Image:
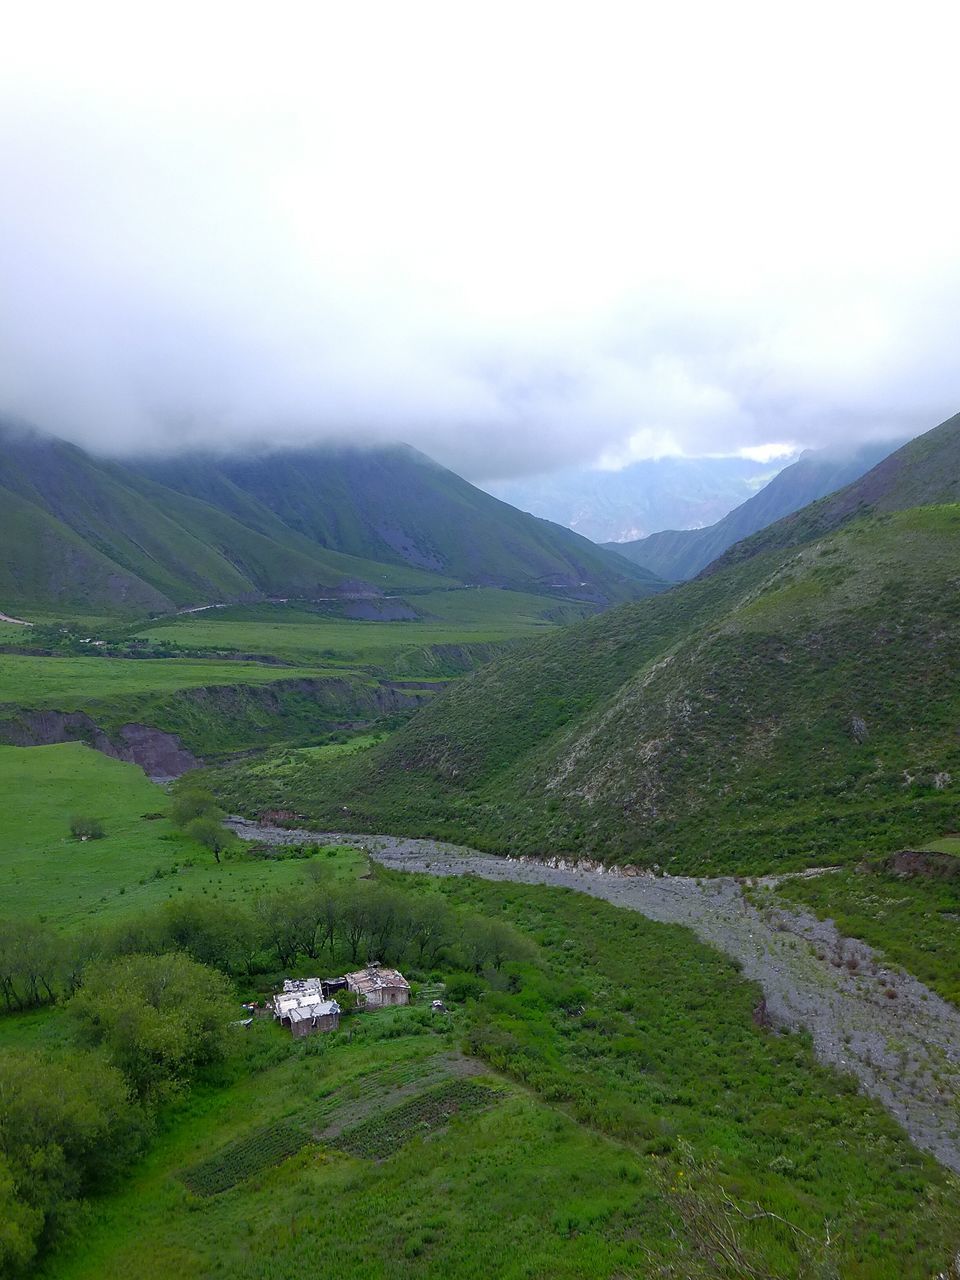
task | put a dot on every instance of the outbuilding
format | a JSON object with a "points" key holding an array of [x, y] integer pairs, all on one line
{"points": [[376, 987], [302, 1007]]}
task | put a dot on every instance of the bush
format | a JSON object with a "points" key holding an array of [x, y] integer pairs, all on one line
{"points": [[86, 828], [159, 1018], [66, 1128]]}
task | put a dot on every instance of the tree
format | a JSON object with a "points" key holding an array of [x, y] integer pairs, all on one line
{"points": [[194, 802], [209, 832], [32, 963], [67, 1125], [213, 932], [432, 928], [84, 828], [489, 943], [159, 1018]]}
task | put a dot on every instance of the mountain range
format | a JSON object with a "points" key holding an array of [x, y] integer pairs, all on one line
{"points": [[92, 534], [798, 702], [641, 498], [678, 554]]}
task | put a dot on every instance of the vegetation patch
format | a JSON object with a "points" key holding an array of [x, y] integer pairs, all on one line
{"points": [[914, 921], [797, 709], [382, 1135], [262, 1149]]}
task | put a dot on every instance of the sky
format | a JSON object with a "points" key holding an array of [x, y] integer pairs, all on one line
{"points": [[518, 236]]}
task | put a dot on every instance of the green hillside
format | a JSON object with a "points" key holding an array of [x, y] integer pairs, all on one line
{"points": [[397, 506], [791, 709], [85, 533], [925, 472], [679, 554]]}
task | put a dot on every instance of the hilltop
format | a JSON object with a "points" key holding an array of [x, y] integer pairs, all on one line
{"points": [[92, 534], [796, 705]]}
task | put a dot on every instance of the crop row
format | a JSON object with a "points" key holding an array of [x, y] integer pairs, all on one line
{"points": [[261, 1149], [381, 1135]]}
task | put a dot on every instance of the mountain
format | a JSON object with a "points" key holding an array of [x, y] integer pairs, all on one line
{"points": [[396, 506], [91, 534], [656, 493], [678, 554], [923, 472], [798, 705]]}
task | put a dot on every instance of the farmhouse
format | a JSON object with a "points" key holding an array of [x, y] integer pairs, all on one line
{"points": [[377, 987], [302, 1007]]}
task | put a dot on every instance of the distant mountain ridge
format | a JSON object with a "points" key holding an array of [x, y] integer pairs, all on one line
{"points": [[678, 554], [923, 472], [93, 534], [639, 499]]}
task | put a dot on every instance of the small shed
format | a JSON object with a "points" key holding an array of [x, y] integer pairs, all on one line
{"points": [[302, 1008], [377, 987]]}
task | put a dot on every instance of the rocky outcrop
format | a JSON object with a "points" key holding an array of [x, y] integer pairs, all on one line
{"points": [[921, 862], [159, 754]]}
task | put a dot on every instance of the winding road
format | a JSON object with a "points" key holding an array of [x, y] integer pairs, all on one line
{"points": [[900, 1040]]}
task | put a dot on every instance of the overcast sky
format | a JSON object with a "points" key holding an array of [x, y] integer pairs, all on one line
{"points": [[515, 235]]}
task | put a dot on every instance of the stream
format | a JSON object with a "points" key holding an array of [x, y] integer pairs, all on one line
{"points": [[900, 1040]]}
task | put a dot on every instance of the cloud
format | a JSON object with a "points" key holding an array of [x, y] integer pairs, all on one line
{"points": [[517, 237]]}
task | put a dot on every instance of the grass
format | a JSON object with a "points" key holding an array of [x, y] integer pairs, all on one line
{"points": [[634, 1100], [141, 861], [914, 923], [218, 704], [449, 620], [71, 684]]}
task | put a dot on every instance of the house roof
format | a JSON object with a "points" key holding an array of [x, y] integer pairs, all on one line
{"points": [[303, 985], [375, 978], [300, 1006]]}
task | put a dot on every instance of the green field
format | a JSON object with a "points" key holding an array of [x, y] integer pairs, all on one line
{"points": [[141, 861], [448, 619], [638, 1114], [70, 683]]}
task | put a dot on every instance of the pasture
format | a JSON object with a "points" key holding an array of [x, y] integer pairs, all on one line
{"points": [[141, 861]]}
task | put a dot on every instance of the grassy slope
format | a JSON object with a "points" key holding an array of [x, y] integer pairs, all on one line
{"points": [[140, 861], [715, 727], [118, 538], [581, 1171], [46, 564], [140, 545]]}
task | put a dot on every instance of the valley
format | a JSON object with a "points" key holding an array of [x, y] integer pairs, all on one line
{"points": [[679, 1007]]}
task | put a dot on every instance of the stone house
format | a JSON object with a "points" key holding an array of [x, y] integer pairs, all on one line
{"points": [[377, 987]]}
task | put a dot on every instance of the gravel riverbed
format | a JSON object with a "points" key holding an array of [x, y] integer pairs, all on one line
{"points": [[900, 1040]]}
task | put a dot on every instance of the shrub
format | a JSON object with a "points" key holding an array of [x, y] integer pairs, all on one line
{"points": [[82, 828]]}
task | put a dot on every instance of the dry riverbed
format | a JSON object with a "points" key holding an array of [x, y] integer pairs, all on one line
{"points": [[901, 1040]]}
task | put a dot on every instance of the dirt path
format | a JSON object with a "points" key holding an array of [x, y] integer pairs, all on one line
{"points": [[17, 622], [901, 1040]]}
